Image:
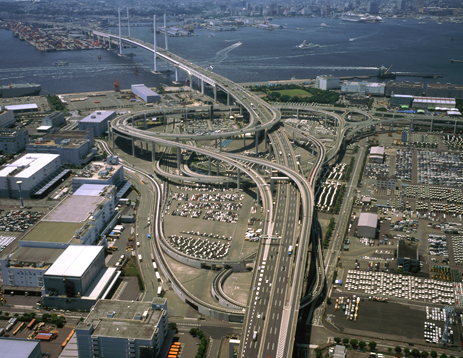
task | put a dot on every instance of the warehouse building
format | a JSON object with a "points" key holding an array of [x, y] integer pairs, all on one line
{"points": [[6, 118], [33, 170], [19, 348], [120, 329], [408, 88], [407, 258], [13, 141], [325, 82], [444, 90], [78, 278], [367, 225], [77, 220], [23, 270], [22, 108], [363, 88], [433, 102], [98, 121], [99, 173], [401, 100], [377, 155], [145, 93]]}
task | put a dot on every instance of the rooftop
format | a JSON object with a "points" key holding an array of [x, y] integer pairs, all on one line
{"points": [[145, 90], [96, 170], [97, 117], [17, 347], [405, 84], [74, 209], [4, 132], [377, 150], [113, 318], [68, 134], [74, 261], [368, 219], [445, 86], [34, 254], [435, 100], [28, 165], [92, 190], [49, 231], [21, 107]]}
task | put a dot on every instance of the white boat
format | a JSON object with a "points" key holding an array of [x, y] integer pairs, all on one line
{"points": [[305, 46], [353, 17]]}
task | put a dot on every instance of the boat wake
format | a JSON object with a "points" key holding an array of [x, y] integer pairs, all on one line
{"points": [[223, 54]]}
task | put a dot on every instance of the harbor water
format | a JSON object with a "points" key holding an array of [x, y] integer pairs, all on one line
{"points": [[251, 54]]}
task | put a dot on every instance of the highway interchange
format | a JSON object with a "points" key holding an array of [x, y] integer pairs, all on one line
{"points": [[276, 292]]}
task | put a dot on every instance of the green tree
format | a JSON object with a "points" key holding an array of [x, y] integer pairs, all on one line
{"points": [[398, 349], [407, 351], [415, 352], [372, 345], [451, 356], [354, 342], [443, 355], [389, 349], [345, 341], [362, 344], [337, 339], [173, 326], [433, 354], [425, 354]]}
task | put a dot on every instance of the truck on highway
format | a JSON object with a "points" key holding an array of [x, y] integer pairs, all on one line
{"points": [[254, 336], [290, 250], [149, 236], [140, 258]]}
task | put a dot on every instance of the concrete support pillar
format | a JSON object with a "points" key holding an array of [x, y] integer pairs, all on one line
{"points": [[179, 157], [270, 150], [165, 32], [455, 128], [141, 148], [432, 122], [153, 152], [215, 92], [191, 81], [244, 140], [238, 179], [176, 74], [145, 122], [241, 109], [266, 139], [186, 114], [228, 99], [220, 141], [154, 44], [258, 196], [120, 37], [218, 167], [210, 171], [202, 86], [297, 113], [215, 143], [133, 147], [165, 117], [257, 142], [131, 121], [112, 137]]}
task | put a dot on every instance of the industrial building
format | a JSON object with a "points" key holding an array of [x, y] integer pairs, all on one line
{"points": [[6, 118], [13, 141], [145, 93], [377, 155], [98, 121], [401, 100], [120, 329], [33, 170], [23, 270], [367, 225], [19, 348], [408, 88], [407, 257], [78, 278], [99, 173], [74, 147], [433, 102], [54, 119], [78, 219], [386, 182], [363, 88], [325, 82], [444, 90]]}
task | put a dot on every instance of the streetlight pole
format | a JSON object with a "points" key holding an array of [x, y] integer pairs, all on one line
{"points": [[19, 182]]}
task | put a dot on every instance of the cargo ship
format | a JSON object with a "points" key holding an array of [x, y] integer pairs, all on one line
{"points": [[352, 17], [457, 61], [19, 90], [305, 46]]}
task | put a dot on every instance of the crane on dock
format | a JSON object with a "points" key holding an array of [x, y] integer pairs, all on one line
{"points": [[116, 85]]}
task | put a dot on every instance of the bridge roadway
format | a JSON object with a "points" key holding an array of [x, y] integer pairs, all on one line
{"points": [[276, 334]]}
